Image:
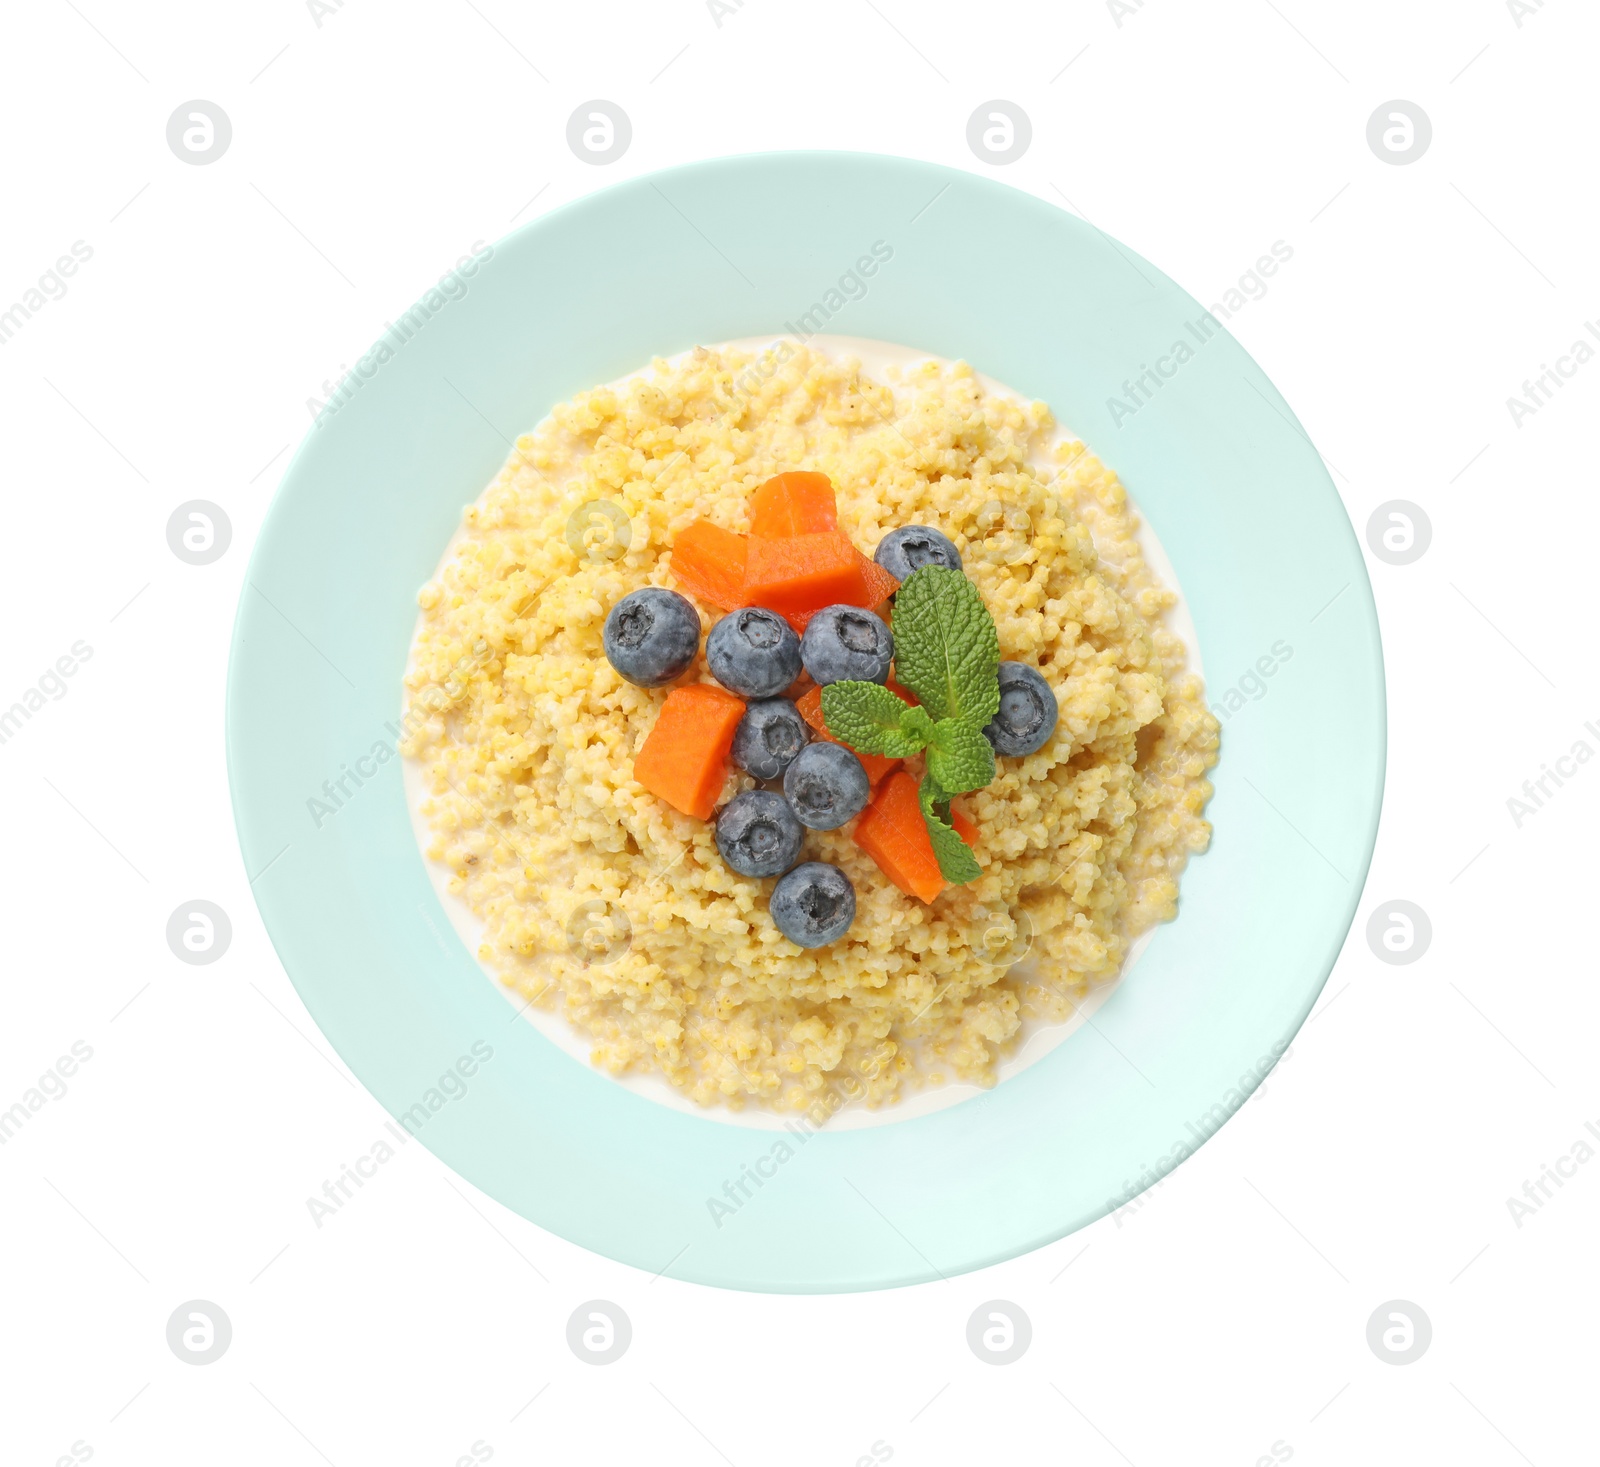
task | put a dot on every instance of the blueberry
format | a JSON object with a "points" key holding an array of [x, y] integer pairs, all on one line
{"points": [[845, 642], [913, 546], [754, 653], [1027, 715], [814, 904], [769, 735], [825, 785], [651, 636], [758, 834]]}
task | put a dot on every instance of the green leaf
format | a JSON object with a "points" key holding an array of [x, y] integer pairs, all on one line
{"points": [[872, 720], [959, 757], [946, 649], [957, 864], [916, 725]]}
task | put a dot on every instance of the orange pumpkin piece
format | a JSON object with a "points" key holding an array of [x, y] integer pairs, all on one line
{"points": [[880, 584], [892, 831], [810, 705], [709, 562], [684, 760], [794, 504], [792, 573], [876, 765]]}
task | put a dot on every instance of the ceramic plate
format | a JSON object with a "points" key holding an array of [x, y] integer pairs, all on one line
{"points": [[744, 247]]}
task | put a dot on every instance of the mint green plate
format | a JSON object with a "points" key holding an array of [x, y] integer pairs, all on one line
{"points": [[1031, 296]]}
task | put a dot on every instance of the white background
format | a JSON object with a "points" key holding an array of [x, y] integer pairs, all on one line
{"points": [[1224, 1315]]}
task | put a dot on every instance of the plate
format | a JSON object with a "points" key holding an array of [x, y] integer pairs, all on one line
{"points": [[741, 247]]}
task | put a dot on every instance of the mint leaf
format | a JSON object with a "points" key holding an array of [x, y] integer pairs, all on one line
{"points": [[916, 724], [959, 757], [872, 720], [945, 646], [956, 862]]}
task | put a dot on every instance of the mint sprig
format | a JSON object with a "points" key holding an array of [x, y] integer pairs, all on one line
{"points": [[956, 862], [946, 649], [947, 652], [873, 720], [959, 757]]}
